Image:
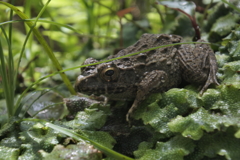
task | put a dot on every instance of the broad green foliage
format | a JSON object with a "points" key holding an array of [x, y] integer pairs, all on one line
{"points": [[39, 136], [209, 131], [172, 103], [35, 141], [43, 104], [217, 144], [217, 11], [174, 149], [225, 24], [233, 45], [88, 119], [8, 153], [81, 150], [220, 22], [28, 153], [100, 137]]}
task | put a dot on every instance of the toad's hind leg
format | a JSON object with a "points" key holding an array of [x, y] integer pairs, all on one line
{"points": [[212, 78], [154, 80], [199, 65]]}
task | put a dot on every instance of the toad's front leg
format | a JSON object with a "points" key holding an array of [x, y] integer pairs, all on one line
{"points": [[155, 80]]}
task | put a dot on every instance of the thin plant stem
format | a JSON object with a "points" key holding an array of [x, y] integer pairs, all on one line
{"points": [[232, 6], [10, 65], [5, 81], [25, 43], [44, 21]]}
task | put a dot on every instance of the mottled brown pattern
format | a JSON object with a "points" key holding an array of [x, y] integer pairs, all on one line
{"points": [[154, 71]]}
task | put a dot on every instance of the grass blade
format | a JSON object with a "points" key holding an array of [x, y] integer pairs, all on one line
{"points": [[43, 43], [7, 77], [76, 136], [231, 5]]}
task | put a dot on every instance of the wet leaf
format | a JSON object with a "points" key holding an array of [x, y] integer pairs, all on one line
{"points": [[91, 118], [78, 151], [194, 125], [225, 102], [44, 104], [222, 59], [27, 153], [217, 11], [224, 25], [172, 103], [222, 144], [210, 98], [8, 153], [39, 136], [142, 149], [230, 103], [234, 49], [175, 149], [231, 73], [100, 137], [233, 44], [184, 6]]}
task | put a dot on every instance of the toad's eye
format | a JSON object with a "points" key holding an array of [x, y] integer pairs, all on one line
{"points": [[109, 73]]}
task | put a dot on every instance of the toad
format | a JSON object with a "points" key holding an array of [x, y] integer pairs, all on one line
{"points": [[158, 70]]}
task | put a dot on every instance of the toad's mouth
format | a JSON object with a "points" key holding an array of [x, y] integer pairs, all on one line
{"points": [[98, 90], [94, 85]]}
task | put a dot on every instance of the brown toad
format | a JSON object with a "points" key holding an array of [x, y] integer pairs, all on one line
{"points": [[154, 71]]}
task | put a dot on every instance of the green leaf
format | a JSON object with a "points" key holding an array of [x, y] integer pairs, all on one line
{"points": [[44, 104], [230, 103], [39, 136], [237, 134], [9, 153], [210, 98], [12, 141], [217, 144], [224, 25], [214, 13], [187, 7], [172, 103], [142, 149], [81, 150], [233, 45], [231, 72], [232, 5], [27, 153], [194, 125], [100, 137], [79, 137], [9, 126], [91, 118], [174, 149]]}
